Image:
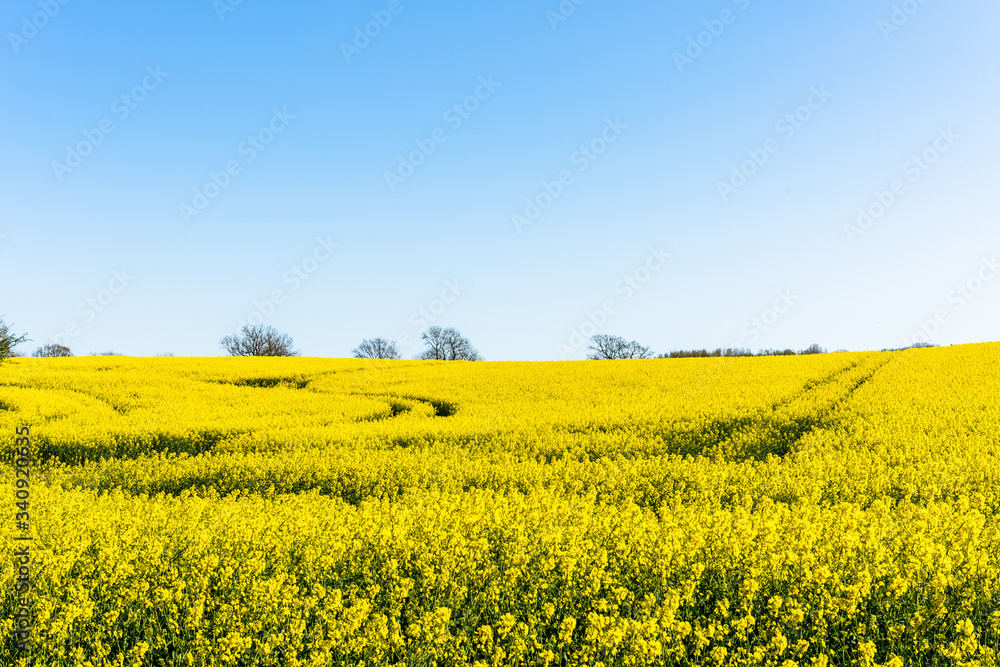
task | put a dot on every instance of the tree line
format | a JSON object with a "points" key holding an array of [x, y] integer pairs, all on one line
{"points": [[441, 344], [741, 352]]}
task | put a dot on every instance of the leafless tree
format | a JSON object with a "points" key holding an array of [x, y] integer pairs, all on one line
{"points": [[9, 340], [376, 348], [256, 340], [603, 346], [447, 345], [52, 350]]}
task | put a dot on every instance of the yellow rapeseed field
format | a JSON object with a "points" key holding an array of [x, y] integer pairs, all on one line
{"points": [[835, 509]]}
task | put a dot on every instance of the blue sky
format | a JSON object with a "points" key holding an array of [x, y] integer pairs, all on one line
{"points": [[170, 170]]}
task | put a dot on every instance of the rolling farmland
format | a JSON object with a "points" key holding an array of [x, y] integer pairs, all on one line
{"points": [[813, 510]]}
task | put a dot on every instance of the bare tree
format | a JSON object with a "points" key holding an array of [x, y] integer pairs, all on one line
{"points": [[256, 340], [52, 350], [447, 345], [603, 346], [376, 348], [9, 340], [814, 349]]}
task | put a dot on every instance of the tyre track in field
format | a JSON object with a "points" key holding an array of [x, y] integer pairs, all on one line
{"points": [[794, 417]]}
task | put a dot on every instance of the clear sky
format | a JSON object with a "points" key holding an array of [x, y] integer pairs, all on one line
{"points": [[682, 174]]}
